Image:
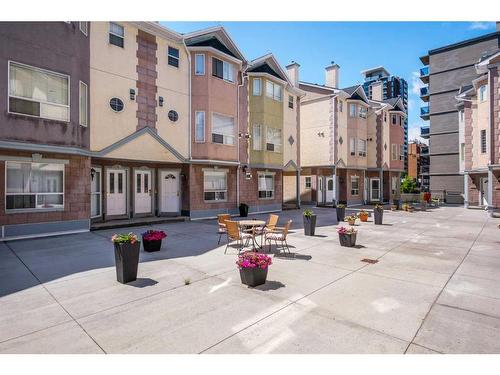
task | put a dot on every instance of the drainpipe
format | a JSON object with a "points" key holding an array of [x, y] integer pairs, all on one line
{"points": [[491, 143], [189, 95], [243, 76]]}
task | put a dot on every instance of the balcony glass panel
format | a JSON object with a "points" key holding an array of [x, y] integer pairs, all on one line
{"points": [[424, 111], [424, 91], [424, 71]]}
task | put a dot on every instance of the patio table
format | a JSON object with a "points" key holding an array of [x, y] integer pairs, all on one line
{"points": [[252, 224]]}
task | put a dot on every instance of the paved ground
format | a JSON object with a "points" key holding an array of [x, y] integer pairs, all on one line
{"points": [[435, 289]]}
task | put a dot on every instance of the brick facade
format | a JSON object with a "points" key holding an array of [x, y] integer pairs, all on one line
{"points": [[146, 80], [249, 190]]}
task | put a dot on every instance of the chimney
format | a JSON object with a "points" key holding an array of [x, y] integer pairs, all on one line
{"points": [[332, 75], [293, 73], [377, 91]]}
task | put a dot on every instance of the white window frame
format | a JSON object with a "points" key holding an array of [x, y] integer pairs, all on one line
{"points": [[119, 36], [254, 91], [92, 194], [178, 58], [394, 184], [277, 91], [362, 147], [196, 139], [45, 71], [197, 72], [401, 152], [34, 209], [341, 105], [85, 29], [355, 191], [394, 151], [483, 93], [257, 145], [363, 112], [484, 141], [266, 175], [225, 137], [290, 102], [215, 171], [277, 147], [80, 104], [352, 110], [462, 151], [352, 146], [308, 182]]}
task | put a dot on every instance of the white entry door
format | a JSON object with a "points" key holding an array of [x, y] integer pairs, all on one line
{"points": [[484, 191], [170, 191], [116, 198], [329, 190], [142, 200], [374, 189], [320, 190]]}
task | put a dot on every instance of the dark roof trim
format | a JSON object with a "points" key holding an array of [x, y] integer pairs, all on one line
{"points": [[265, 68], [214, 43], [465, 43]]}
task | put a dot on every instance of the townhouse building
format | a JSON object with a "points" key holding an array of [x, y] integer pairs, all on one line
{"points": [[44, 128], [479, 134], [418, 164], [352, 148]]}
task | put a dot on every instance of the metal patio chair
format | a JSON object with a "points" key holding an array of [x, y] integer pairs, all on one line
{"points": [[278, 235], [221, 221], [234, 233]]}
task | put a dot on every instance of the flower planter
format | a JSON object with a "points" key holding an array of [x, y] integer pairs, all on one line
{"points": [[347, 240], [340, 213], [351, 222], [378, 215], [309, 225], [126, 261], [151, 246], [363, 217], [253, 276]]}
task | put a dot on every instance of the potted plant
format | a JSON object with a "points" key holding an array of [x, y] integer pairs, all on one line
{"points": [[151, 240], [243, 209], [378, 214], [126, 256], [309, 222], [394, 207], [405, 206], [253, 268], [395, 202], [363, 215], [351, 219], [340, 208], [410, 208], [347, 236]]}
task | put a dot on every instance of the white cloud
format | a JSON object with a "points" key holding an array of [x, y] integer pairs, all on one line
{"points": [[482, 25], [414, 133], [411, 104], [416, 83]]}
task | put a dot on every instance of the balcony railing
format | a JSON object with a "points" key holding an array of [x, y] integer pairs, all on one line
{"points": [[424, 112], [424, 71], [424, 131], [424, 91]]}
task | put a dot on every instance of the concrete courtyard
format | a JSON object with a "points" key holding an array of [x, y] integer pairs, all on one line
{"points": [[435, 289]]}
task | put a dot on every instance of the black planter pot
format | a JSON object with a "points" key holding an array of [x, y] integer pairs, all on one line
{"points": [[126, 261], [378, 216], [347, 240], [309, 225], [396, 203], [151, 246], [340, 213], [243, 210], [253, 276]]}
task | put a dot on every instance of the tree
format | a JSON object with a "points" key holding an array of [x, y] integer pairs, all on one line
{"points": [[408, 185]]}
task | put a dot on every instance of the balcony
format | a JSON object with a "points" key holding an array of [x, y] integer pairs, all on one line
{"points": [[424, 151], [424, 74], [424, 93], [424, 112], [424, 169], [424, 132]]}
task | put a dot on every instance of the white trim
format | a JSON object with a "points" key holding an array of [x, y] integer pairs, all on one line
{"points": [[109, 104], [204, 126], [254, 79], [204, 64], [33, 159], [86, 103], [100, 191], [264, 174], [86, 32], [174, 57], [215, 191], [216, 52], [235, 136]]}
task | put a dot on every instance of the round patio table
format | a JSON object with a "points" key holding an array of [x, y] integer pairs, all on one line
{"points": [[252, 224]]}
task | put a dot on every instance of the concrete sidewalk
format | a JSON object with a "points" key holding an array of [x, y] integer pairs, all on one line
{"points": [[435, 289]]}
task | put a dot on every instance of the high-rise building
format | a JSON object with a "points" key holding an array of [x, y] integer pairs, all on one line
{"points": [[418, 164], [381, 85]]}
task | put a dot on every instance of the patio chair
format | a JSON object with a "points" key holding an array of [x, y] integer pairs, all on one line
{"points": [[221, 220], [272, 221], [278, 235], [235, 234]]}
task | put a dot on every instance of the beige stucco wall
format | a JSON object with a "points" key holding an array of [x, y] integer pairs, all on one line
{"points": [[386, 138], [480, 122], [356, 128], [371, 133], [290, 128], [315, 118]]}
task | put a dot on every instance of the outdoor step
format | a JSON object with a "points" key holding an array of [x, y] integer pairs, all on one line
{"points": [[138, 221]]}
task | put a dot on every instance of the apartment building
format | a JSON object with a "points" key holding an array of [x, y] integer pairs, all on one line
{"points": [[379, 84], [479, 134], [418, 164], [447, 69], [352, 148], [44, 132], [139, 138]]}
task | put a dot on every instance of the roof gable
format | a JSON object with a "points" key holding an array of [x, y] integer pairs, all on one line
{"points": [[214, 37], [265, 68], [211, 42], [273, 67]]}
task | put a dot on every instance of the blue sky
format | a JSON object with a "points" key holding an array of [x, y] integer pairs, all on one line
{"points": [[353, 45]]}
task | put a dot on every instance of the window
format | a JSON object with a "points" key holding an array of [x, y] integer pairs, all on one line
{"points": [[362, 112], [461, 116], [482, 93], [256, 91], [214, 186], [116, 104], [273, 139], [393, 119], [173, 115], [84, 27], [257, 137], [95, 192], [352, 110], [199, 64], [385, 116], [341, 106], [222, 129], [173, 57], [462, 151], [483, 141], [394, 152], [362, 147], [199, 127], [83, 104], [266, 186], [352, 146], [39, 93], [401, 152], [34, 186], [222, 69], [394, 184], [116, 34], [290, 101], [273, 91], [308, 182], [354, 185]]}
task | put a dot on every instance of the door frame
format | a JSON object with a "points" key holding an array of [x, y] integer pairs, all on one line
{"points": [[482, 192], [379, 188], [99, 169], [134, 190], [320, 195], [160, 192], [127, 192], [327, 179]]}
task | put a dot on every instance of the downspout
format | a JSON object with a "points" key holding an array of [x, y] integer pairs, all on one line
{"points": [[491, 142], [335, 176], [189, 95], [243, 76]]}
